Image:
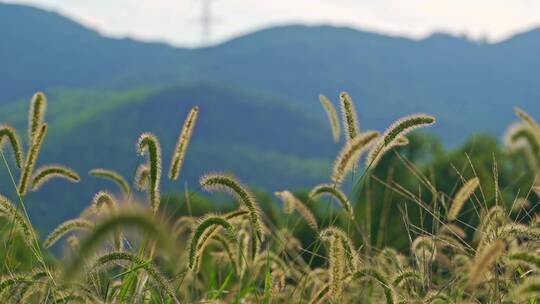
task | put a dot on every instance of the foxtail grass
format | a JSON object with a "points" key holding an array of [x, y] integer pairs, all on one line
{"points": [[131, 219], [113, 176], [483, 261], [104, 198], [31, 159], [461, 198], [67, 227], [142, 177], [350, 119], [149, 142], [204, 224], [38, 107], [46, 173], [292, 203], [182, 144], [11, 135], [334, 192], [225, 183], [332, 116], [149, 268], [12, 213], [393, 135], [350, 154]]}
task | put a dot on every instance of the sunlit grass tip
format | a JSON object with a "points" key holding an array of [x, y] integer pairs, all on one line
{"points": [[334, 192], [12, 213], [31, 159], [520, 136], [332, 116], [461, 197], [182, 144], [529, 121], [14, 141], [393, 135], [113, 176], [67, 227], [103, 198], [149, 142], [350, 119], [350, 154], [351, 254], [291, 203], [205, 223], [36, 114], [215, 182], [46, 173], [118, 221], [336, 267], [141, 180], [483, 261], [148, 266], [379, 278]]}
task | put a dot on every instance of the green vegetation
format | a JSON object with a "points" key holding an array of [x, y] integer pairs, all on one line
{"points": [[414, 225]]}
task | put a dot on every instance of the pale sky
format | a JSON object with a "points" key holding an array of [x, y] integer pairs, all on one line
{"points": [[177, 22]]}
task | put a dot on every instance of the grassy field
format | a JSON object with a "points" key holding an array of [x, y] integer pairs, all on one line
{"points": [[472, 240]]}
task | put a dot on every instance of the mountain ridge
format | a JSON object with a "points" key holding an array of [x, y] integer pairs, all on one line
{"points": [[453, 78]]}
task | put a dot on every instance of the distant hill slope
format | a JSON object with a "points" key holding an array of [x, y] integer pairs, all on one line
{"points": [[263, 140], [469, 86], [42, 50]]}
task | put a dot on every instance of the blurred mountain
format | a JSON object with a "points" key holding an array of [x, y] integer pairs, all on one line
{"points": [[470, 86], [42, 50]]}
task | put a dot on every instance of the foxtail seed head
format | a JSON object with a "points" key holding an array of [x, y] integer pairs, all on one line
{"points": [[117, 221], [351, 255], [292, 203], [10, 212], [66, 227], [350, 119], [529, 121], [38, 106], [47, 173], [31, 159], [521, 136], [149, 268], [393, 136], [483, 261], [527, 258], [336, 268], [112, 176], [182, 144], [9, 132], [461, 197], [225, 183], [149, 142], [332, 116], [379, 277], [142, 177], [526, 292], [104, 198], [350, 154], [204, 224], [336, 193]]}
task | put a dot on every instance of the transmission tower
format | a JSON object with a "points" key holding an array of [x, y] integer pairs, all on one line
{"points": [[206, 22]]}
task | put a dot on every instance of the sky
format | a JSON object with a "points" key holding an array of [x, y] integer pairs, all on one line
{"points": [[178, 22]]}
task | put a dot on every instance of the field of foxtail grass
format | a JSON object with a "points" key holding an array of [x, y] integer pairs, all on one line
{"points": [[126, 249]]}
